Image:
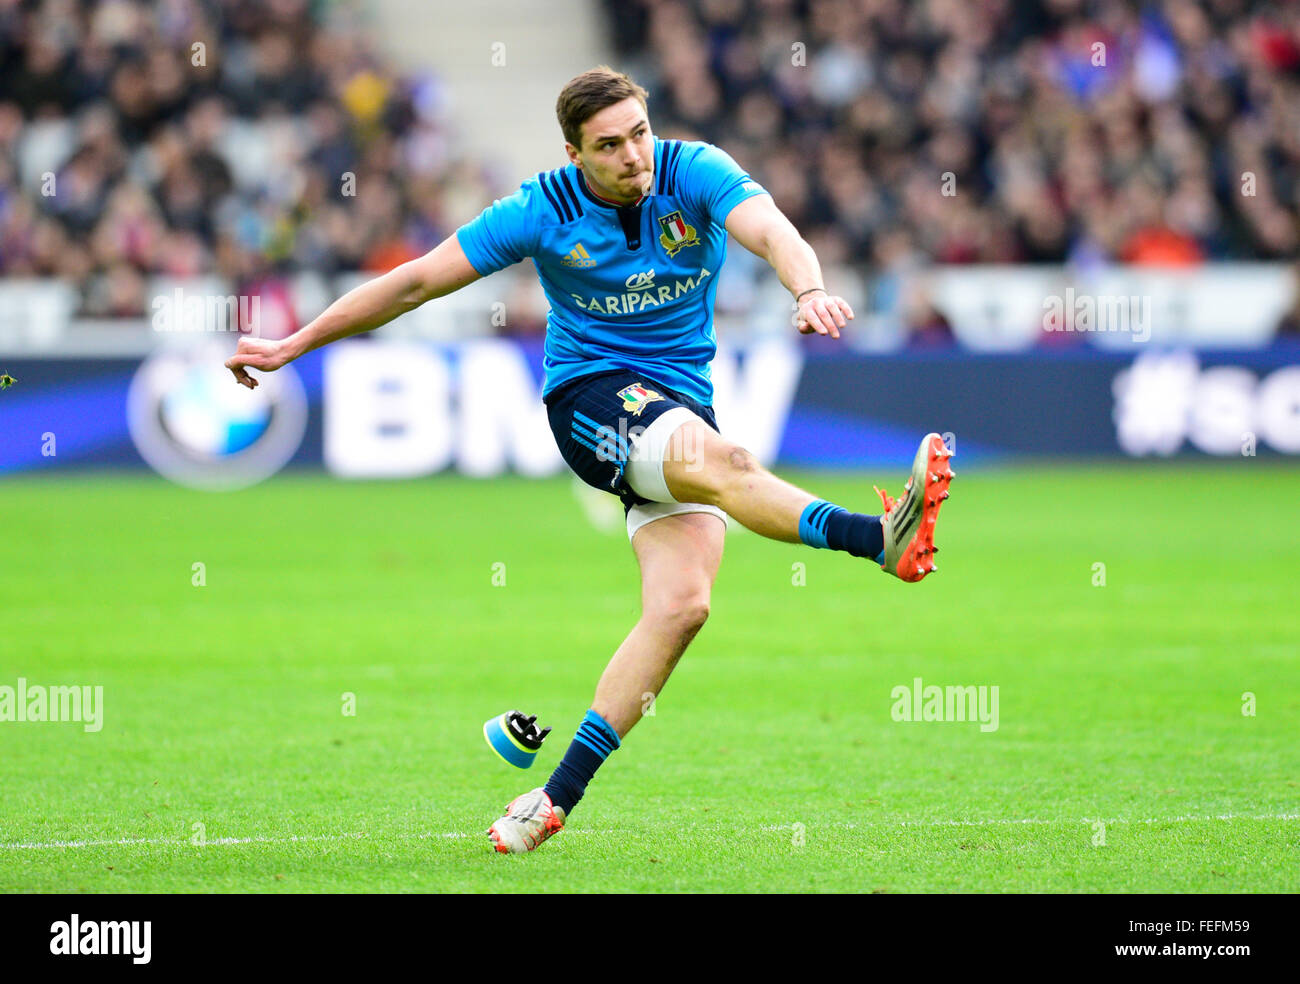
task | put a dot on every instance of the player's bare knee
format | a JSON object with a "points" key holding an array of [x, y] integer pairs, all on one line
{"points": [[740, 461], [689, 616], [700, 465], [729, 459], [694, 614], [733, 468], [683, 613]]}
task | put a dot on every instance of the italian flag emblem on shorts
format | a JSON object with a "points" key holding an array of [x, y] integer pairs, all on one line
{"points": [[636, 396], [676, 233]]}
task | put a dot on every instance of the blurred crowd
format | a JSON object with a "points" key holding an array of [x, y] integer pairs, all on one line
{"points": [[179, 137], [185, 137], [1072, 130], [904, 132]]}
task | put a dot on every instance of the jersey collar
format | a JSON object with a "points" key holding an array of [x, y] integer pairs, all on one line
{"points": [[601, 199]]}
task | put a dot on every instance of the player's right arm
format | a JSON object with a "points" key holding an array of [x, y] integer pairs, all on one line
{"points": [[444, 269]]}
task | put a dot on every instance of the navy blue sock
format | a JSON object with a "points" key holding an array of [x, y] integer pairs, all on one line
{"points": [[590, 747], [826, 525]]}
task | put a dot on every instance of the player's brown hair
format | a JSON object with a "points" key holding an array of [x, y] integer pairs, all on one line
{"points": [[585, 95]]}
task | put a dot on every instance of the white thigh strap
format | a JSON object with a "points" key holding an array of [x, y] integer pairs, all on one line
{"points": [[645, 463]]}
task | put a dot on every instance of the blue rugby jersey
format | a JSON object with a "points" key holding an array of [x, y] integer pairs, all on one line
{"points": [[630, 287]]}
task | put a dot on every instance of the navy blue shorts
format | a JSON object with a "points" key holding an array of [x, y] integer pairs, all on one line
{"points": [[594, 417]]}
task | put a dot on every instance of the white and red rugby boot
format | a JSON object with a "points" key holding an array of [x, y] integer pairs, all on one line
{"points": [[529, 820], [908, 522]]}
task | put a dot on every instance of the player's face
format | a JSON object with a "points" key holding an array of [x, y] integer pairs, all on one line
{"points": [[617, 155]]}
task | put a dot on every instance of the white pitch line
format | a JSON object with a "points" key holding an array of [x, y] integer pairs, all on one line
{"points": [[215, 841], [456, 835], [1006, 821], [180, 841]]}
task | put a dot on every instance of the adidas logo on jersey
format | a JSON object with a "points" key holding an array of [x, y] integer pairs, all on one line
{"points": [[578, 257]]}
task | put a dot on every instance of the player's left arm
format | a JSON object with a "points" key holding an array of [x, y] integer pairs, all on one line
{"points": [[762, 228]]}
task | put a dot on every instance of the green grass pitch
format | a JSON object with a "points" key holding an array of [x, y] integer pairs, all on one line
{"points": [[1123, 761]]}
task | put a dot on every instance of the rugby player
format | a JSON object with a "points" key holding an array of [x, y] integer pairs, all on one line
{"points": [[627, 239]]}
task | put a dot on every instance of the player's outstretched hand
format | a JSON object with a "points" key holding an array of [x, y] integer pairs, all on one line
{"points": [[824, 314], [259, 353]]}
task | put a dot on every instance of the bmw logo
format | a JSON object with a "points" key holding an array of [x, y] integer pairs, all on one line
{"points": [[192, 424]]}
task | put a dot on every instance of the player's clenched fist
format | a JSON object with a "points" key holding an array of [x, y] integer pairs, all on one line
{"points": [[822, 313], [260, 353]]}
